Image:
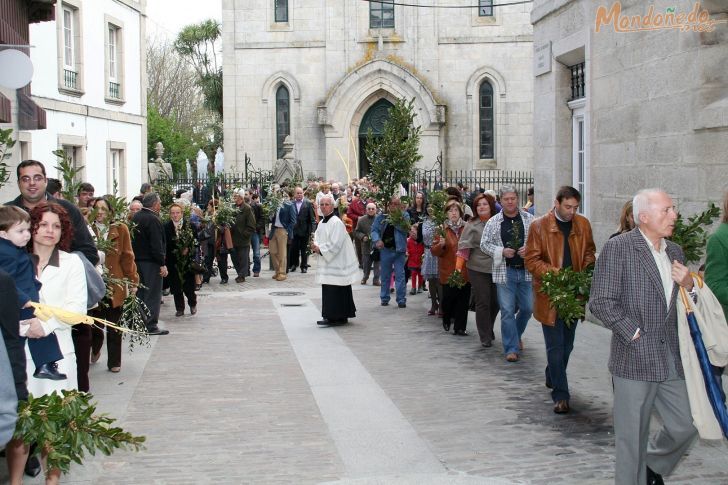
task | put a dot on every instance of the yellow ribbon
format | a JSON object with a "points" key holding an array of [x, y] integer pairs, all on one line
{"points": [[46, 312]]}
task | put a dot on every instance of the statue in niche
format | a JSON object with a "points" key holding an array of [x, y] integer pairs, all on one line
{"points": [[286, 168]]}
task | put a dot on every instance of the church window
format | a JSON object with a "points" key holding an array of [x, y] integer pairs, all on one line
{"points": [[485, 8], [281, 10], [486, 120], [381, 15], [283, 118]]}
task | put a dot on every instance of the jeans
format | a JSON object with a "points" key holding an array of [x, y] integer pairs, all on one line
{"points": [[559, 341], [516, 292], [255, 244], [390, 258]]}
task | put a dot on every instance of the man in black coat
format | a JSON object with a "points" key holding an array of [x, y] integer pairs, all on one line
{"points": [[149, 247], [301, 231], [32, 183]]}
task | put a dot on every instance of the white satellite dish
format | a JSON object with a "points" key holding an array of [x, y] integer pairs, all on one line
{"points": [[16, 69]]}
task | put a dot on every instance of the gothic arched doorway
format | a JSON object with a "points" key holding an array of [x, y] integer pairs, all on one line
{"points": [[373, 119]]}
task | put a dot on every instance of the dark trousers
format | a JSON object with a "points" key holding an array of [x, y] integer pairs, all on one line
{"points": [[236, 262], [113, 337], [182, 289], [455, 302], [45, 350], [82, 344], [209, 259], [559, 341], [297, 252], [485, 295], [222, 265], [242, 254], [151, 292]]}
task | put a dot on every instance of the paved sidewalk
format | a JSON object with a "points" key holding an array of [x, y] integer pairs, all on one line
{"points": [[250, 390]]}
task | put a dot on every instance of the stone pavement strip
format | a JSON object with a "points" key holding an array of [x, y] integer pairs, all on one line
{"points": [[250, 390]]}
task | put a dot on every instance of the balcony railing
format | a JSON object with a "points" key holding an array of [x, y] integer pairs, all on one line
{"points": [[70, 79], [114, 90]]}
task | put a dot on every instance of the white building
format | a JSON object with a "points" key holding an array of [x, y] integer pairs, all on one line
{"points": [[90, 79], [325, 72], [621, 109]]}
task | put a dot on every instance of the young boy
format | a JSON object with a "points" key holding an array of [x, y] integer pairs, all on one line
{"points": [[15, 260], [415, 251]]}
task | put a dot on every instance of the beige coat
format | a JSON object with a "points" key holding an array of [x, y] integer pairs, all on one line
{"points": [[711, 320]]}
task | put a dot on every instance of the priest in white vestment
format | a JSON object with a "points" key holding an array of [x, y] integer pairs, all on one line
{"points": [[338, 267]]}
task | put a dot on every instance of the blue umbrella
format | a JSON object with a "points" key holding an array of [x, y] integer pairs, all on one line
{"points": [[710, 374]]}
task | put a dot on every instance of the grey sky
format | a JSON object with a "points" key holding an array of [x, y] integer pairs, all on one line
{"points": [[165, 18]]}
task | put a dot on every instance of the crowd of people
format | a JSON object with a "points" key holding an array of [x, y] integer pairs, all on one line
{"points": [[485, 253]]}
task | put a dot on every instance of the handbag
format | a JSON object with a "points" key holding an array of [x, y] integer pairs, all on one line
{"points": [[197, 267], [95, 286], [375, 254]]}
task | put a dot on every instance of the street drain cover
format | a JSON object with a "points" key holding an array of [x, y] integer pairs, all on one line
{"points": [[292, 304], [286, 293]]}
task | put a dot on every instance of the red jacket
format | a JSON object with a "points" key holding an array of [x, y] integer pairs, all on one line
{"points": [[415, 251]]}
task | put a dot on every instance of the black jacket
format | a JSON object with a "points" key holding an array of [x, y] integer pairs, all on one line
{"points": [[259, 219], [9, 318], [82, 240], [148, 241], [304, 219]]}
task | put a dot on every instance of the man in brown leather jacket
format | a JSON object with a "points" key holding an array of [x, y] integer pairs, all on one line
{"points": [[559, 239]]}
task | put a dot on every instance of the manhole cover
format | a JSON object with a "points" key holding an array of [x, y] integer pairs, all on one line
{"points": [[286, 293]]}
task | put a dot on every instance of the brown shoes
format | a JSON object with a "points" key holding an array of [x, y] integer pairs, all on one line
{"points": [[281, 277], [512, 357], [561, 407]]}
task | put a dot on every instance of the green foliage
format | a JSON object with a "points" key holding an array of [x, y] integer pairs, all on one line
{"points": [[397, 218], [393, 155], [568, 292], [179, 142], [456, 279], [515, 241], [133, 311], [225, 214], [6, 144], [69, 174], [196, 43], [65, 427], [692, 236], [185, 247], [436, 206]]}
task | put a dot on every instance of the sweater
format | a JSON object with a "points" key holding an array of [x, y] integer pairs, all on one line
{"points": [[470, 240], [716, 265]]}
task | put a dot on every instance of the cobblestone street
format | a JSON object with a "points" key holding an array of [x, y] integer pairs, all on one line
{"points": [[250, 390]]}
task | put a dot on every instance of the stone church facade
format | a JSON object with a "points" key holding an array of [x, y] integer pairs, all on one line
{"points": [[323, 72]]}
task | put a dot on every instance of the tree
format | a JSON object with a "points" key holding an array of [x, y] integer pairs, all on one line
{"points": [[196, 43], [393, 155], [180, 142]]}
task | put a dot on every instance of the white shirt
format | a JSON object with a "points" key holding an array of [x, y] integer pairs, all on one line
{"points": [[664, 266]]}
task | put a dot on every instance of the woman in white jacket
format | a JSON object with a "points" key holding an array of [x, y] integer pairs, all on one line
{"points": [[64, 286]]}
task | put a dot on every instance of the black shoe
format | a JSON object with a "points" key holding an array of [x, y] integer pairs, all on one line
{"points": [[402, 305], [224, 282], [446, 326], [304, 270], [157, 331], [461, 333], [240, 279], [385, 303], [487, 344], [413, 291], [32, 466], [293, 268], [179, 313], [323, 322], [49, 371], [654, 478]]}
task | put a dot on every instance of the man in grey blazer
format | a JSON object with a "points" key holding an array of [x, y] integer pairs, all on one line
{"points": [[634, 291]]}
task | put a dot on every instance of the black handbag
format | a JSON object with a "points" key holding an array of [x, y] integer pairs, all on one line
{"points": [[375, 254]]}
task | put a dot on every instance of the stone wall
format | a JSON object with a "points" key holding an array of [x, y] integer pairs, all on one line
{"points": [[656, 104]]}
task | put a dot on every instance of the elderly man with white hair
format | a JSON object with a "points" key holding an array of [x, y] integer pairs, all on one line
{"points": [[338, 267], [363, 233], [634, 292]]}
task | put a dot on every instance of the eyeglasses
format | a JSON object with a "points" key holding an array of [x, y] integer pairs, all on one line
{"points": [[36, 178]]}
